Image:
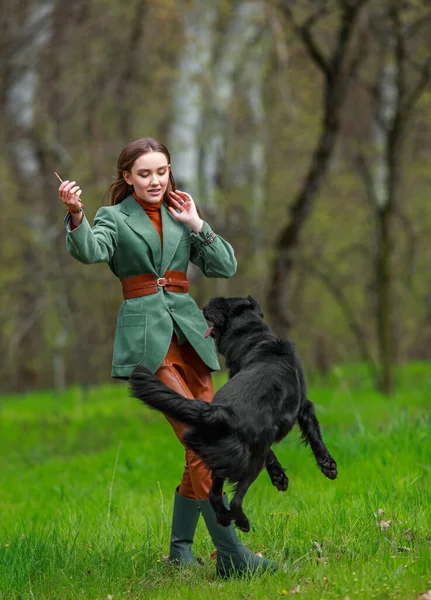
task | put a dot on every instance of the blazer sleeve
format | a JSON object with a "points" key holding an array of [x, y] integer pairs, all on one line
{"points": [[212, 254], [93, 244]]}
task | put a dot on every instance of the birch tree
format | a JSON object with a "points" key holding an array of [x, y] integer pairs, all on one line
{"points": [[403, 76], [188, 102], [208, 77]]}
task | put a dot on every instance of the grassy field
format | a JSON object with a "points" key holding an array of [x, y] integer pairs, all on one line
{"points": [[87, 483]]}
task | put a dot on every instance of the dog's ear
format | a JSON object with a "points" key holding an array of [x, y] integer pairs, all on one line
{"points": [[255, 305]]}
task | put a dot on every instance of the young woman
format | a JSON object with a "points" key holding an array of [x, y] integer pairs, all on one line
{"points": [[148, 236]]}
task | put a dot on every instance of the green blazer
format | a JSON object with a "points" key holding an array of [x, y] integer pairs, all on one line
{"points": [[124, 237]]}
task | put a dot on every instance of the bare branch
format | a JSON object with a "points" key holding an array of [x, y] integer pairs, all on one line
{"points": [[348, 20], [357, 60], [400, 54], [367, 180], [337, 291], [26, 325], [413, 65], [412, 236], [417, 25], [304, 32], [355, 248], [315, 52], [420, 86], [281, 49], [335, 89]]}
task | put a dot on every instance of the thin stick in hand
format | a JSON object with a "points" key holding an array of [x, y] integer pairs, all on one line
{"points": [[60, 179]]}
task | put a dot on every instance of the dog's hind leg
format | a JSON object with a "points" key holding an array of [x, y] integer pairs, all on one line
{"points": [[311, 434], [276, 472], [215, 497]]}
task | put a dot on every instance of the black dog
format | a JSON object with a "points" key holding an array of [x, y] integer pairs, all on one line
{"points": [[263, 399]]}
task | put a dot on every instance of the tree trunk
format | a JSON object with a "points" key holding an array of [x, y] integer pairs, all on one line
{"points": [[384, 197], [337, 71], [255, 90], [187, 125], [232, 57], [237, 55]]}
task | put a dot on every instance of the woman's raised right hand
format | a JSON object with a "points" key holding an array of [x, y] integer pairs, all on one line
{"points": [[70, 194]]}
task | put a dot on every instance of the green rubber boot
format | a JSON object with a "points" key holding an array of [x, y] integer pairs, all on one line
{"points": [[232, 556], [184, 520]]}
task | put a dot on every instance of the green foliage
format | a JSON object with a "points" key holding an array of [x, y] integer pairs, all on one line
{"points": [[106, 75], [88, 480]]}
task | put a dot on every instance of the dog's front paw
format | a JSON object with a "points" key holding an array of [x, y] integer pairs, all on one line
{"points": [[328, 467], [243, 523]]}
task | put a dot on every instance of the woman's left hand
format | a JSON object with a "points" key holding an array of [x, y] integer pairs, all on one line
{"points": [[188, 213]]}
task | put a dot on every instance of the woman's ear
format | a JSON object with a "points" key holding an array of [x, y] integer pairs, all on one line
{"points": [[127, 177]]}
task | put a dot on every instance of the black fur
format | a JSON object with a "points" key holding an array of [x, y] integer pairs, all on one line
{"points": [[263, 399]]}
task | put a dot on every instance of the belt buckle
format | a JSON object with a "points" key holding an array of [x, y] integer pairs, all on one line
{"points": [[161, 281]]}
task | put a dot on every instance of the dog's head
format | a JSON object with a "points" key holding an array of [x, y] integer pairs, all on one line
{"points": [[222, 312]]}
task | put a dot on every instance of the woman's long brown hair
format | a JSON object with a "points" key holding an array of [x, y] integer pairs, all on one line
{"points": [[120, 189]]}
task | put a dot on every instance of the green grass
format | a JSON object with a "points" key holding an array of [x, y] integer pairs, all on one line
{"points": [[87, 484]]}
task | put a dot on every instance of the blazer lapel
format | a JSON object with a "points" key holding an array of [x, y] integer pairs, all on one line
{"points": [[139, 221], [172, 233]]}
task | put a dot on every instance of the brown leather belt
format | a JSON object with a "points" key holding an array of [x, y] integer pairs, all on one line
{"points": [[148, 283]]}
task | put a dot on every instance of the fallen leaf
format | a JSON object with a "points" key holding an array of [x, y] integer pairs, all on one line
{"points": [[296, 589], [408, 533], [213, 555], [319, 548], [425, 595], [380, 512], [384, 524]]}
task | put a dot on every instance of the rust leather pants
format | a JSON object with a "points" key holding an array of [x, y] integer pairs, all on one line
{"points": [[185, 372]]}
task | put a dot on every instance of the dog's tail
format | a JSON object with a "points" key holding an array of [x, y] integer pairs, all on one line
{"points": [[146, 387]]}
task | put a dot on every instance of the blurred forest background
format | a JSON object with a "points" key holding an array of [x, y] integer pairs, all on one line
{"points": [[302, 128]]}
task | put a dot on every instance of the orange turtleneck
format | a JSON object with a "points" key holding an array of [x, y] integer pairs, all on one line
{"points": [[154, 213]]}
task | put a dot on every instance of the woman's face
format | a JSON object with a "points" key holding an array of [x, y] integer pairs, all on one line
{"points": [[149, 176]]}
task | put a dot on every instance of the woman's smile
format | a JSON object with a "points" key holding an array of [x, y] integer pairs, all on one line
{"points": [[149, 176]]}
